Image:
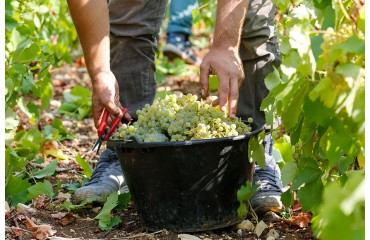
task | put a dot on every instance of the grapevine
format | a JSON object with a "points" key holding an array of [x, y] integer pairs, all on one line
{"points": [[181, 118]]}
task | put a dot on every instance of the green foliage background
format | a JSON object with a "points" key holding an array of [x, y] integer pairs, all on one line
{"points": [[318, 93]]}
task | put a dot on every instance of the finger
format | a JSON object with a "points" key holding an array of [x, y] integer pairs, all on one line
{"points": [[223, 91], [97, 115], [233, 97], [204, 74], [216, 102], [114, 110]]}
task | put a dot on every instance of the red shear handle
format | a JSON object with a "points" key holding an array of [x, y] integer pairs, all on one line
{"points": [[103, 122], [115, 125]]}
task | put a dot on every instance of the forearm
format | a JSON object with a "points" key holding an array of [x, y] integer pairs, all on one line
{"points": [[91, 19], [229, 23]]}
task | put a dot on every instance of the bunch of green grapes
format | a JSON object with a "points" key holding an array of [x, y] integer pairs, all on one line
{"points": [[331, 39], [181, 118]]}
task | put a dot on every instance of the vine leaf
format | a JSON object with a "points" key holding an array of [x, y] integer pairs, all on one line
{"points": [[256, 152]]}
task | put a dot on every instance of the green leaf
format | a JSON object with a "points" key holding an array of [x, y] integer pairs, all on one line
{"points": [[288, 173], [17, 38], [113, 222], [316, 112], [273, 79], [256, 152], [13, 163], [213, 83], [63, 134], [316, 46], [16, 186], [11, 119], [291, 113], [87, 170], [77, 103], [40, 188], [246, 191], [27, 53], [32, 140], [49, 170], [308, 172], [344, 201], [105, 218], [325, 92], [285, 148], [243, 195], [83, 205], [310, 196], [287, 198], [353, 45], [123, 200], [242, 210], [361, 19]]}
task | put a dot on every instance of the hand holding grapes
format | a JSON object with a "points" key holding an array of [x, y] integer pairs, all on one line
{"points": [[226, 64]]}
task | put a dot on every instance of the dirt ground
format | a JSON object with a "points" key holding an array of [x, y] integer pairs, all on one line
{"points": [[61, 224]]}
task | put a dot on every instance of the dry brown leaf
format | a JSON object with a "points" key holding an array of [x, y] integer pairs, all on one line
{"points": [[67, 219], [30, 224], [39, 202], [302, 220], [17, 231], [58, 215], [43, 231]]}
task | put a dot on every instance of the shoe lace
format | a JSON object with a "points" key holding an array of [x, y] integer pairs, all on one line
{"points": [[267, 179]]}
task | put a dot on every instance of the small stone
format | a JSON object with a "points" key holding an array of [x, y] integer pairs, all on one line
{"points": [[72, 231], [260, 227], [271, 217], [270, 238], [187, 237], [273, 233], [246, 225], [240, 232]]}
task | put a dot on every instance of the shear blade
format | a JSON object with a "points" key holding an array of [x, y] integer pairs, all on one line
{"points": [[97, 145]]}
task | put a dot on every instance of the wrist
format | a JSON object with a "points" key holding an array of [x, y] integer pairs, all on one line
{"points": [[100, 74]]}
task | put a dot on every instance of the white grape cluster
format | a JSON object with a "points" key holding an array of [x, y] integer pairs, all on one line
{"points": [[181, 118]]}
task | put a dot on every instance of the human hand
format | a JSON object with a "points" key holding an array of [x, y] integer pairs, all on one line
{"points": [[106, 95], [226, 64]]}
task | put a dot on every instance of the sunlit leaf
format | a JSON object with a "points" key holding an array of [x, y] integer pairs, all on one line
{"points": [[87, 170]]}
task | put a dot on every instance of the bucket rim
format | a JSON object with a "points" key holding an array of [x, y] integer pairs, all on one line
{"points": [[133, 142]]}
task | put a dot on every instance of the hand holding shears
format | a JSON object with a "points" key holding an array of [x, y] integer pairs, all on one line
{"points": [[104, 131]]}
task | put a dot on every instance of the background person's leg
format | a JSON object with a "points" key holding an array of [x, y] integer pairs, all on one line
{"points": [[259, 52], [179, 29]]}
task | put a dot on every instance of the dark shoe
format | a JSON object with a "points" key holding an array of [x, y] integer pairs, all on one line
{"points": [[106, 178], [267, 196], [179, 46]]}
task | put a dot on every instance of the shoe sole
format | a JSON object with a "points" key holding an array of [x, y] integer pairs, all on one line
{"points": [[172, 52]]}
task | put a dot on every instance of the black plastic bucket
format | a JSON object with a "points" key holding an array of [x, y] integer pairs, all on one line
{"points": [[186, 186]]}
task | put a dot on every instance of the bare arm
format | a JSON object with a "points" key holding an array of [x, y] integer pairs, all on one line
{"points": [[91, 20], [223, 58]]}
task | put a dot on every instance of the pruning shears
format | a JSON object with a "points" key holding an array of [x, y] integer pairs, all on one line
{"points": [[104, 131]]}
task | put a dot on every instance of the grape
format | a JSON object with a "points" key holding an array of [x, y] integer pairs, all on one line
{"points": [[181, 118]]}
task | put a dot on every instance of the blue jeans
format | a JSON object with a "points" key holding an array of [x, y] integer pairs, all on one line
{"points": [[181, 19]]}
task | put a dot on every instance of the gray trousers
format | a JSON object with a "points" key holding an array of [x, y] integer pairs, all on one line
{"points": [[134, 27]]}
